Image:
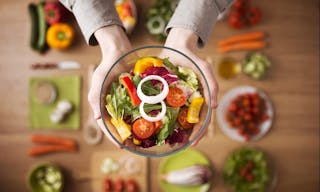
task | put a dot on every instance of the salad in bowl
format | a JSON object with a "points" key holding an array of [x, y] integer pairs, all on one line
{"points": [[152, 106]]}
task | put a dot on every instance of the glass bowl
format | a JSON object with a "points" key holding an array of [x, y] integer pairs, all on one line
{"points": [[126, 64]]}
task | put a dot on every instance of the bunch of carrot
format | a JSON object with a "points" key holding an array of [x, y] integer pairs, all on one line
{"points": [[247, 41], [51, 144]]}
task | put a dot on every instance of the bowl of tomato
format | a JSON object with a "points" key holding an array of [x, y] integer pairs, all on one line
{"points": [[155, 101], [245, 114]]}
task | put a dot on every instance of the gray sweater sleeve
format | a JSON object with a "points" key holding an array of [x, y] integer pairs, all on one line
{"points": [[92, 15], [199, 16]]}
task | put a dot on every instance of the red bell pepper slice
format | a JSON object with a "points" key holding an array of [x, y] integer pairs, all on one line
{"points": [[128, 84]]}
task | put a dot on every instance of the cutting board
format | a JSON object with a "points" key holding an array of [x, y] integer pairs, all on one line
{"points": [[117, 155]]}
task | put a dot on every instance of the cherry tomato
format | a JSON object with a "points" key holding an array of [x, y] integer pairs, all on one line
{"points": [[132, 186], [254, 15], [107, 185], [175, 97], [182, 119], [236, 20], [143, 129], [238, 4], [119, 185]]}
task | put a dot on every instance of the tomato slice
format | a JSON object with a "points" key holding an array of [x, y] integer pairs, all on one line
{"points": [[143, 129], [182, 119], [175, 97]]}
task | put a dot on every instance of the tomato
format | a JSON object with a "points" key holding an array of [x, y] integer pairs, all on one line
{"points": [[254, 15], [143, 129], [119, 185], [182, 119], [132, 186], [107, 185], [175, 97], [236, 20]]}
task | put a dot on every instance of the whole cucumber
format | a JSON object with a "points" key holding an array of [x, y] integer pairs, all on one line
{"points": [[32, 8], [41, 45]]}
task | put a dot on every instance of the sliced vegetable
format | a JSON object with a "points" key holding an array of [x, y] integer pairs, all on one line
{"points": [[189, 77], [182, 119], [256, 65], [143, 63], [175, 97], [153, 99], [156, 25], [194, 110], [240, 38], [169, 122], [122, 127], [158, 117], [143, 129], [60, 35], [128, 84], [250, 45]]}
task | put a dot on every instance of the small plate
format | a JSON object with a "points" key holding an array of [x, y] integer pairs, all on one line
{"points": [[186, 158], [225, 103]]}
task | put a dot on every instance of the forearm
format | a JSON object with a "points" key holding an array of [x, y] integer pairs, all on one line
{"points": [[92, 15]]}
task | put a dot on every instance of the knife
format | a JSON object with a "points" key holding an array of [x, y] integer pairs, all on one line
{"points": [[60, 65]]}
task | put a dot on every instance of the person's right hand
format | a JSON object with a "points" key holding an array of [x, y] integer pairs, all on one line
{"points": [[114, 44]]}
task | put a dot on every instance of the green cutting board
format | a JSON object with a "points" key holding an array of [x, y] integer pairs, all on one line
{"points": [[68, 87]]}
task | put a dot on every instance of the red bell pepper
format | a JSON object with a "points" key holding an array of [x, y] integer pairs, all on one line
{"points": [[128, 84], [53, 12]]}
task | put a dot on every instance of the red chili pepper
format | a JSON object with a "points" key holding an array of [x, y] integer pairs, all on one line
{"points": [[254, 15], [127, 83]]}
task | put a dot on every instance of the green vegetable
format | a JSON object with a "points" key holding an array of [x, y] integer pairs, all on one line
{"points": [[168, 64], [46, 178], [237, 161], [169, 122], [32, 8], [148, 89], [158, 17], [41, 44], [156, 25], [189, 77], [256, 65]]}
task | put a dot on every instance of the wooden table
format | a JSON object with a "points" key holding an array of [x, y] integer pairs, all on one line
{"points": [[293, 86]]}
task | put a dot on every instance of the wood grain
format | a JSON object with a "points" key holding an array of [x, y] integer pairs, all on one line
{"points": [[292, 27]]}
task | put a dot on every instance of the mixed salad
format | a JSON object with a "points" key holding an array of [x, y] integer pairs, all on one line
{"points": [[155, 103], [247, 170]]}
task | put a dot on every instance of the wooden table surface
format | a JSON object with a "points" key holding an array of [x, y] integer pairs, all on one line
{"points": [[293, 86]]}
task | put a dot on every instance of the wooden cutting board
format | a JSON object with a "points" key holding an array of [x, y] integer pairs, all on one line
{"points": [[118, 155]]}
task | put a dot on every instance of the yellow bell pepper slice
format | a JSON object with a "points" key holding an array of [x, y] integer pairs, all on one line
{"points": [[122, 127], [194, 110], [143, 63]]}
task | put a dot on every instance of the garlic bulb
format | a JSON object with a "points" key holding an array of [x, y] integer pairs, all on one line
{"points": [[194, 175]]}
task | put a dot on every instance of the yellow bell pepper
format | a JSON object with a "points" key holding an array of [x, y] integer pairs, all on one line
{"points": [[60, 36], [194, 110], [122, 127], [143, 63]]}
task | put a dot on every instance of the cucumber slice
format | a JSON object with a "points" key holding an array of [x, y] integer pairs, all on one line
{"points": [[32, 8], [156, 25]]}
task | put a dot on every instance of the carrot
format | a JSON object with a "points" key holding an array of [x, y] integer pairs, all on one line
{"points": [[43, 139], [240, 38], [45, 149], [250, 45]]}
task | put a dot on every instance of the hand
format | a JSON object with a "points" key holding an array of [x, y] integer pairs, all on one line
{"points": [[113, 43], [186, 41]]}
